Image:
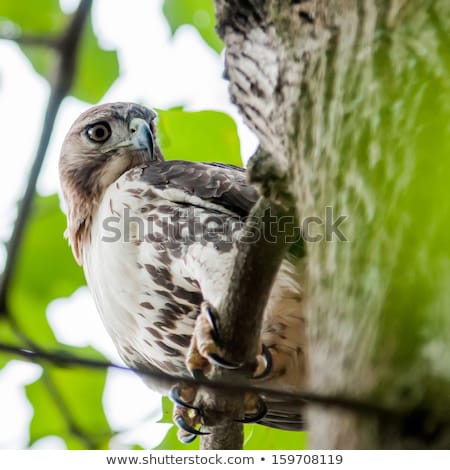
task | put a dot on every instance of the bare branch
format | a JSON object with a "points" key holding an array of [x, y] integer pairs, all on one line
{"points": [[32, 40], [410, 421], [64, 359]]}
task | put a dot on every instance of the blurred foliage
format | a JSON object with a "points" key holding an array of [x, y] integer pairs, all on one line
{"points": [[258, 437], [204, 136], [198, 13], [67, 401], [7, 336], [97, 67], [45, 245], [44, 17]]}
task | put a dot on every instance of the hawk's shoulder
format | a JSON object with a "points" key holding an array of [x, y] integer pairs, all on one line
{"points": [[217, 184]]}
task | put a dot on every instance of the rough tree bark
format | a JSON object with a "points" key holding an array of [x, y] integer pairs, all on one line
{"points": [[353, 97]]}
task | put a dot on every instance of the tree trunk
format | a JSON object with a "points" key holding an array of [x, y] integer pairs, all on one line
{"points": [[353, 97]]}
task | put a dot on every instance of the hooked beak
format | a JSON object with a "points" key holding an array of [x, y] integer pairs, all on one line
{"points": [[141, 138]]}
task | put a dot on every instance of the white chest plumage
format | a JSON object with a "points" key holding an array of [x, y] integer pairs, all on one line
{"points": [[149, 268]]}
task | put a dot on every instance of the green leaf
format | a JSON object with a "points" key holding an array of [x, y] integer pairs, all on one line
{"points": [[43, 17], [167, 408], [204, 136], [34, 18], [46, 270], [47, 418], [259, 437], [198, 13], [97, 67], [67, 402]]}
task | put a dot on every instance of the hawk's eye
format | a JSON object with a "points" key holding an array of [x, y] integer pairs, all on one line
{"points": [[99, 132]]}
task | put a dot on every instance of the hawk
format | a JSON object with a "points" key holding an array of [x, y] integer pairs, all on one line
{"points": [[157, 240]]}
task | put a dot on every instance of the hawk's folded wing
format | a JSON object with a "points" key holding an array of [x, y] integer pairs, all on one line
{"points": [[213, 184]]}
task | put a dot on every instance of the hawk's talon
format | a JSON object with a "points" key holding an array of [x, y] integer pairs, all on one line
{"points": [[204, 348], [225, 363], [198, 374], [268, 363], [261, 411], [185, 415], [186, 437], [175, 396], [213, 323], [181, 423]]}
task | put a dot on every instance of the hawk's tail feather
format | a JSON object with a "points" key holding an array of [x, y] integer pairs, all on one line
{"points": [[284, 415]]}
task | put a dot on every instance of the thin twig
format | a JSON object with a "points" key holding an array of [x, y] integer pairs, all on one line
{"points": [[31, 40], [63, 359]]}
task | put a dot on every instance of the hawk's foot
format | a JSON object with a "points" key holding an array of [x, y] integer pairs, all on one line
{"points": [[205, 343], [185, 414], [255, 408], [264, 364], [204, 349], [270, 175]]}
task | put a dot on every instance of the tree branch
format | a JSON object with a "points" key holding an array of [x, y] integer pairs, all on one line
{"points": [[261, 251], [412, 422], [63, 359], [67, 49], [32, 40]]}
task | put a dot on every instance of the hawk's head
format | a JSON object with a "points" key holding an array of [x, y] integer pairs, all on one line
{"points": [[102, 144]]}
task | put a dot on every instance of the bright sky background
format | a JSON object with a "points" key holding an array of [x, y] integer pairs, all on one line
{"points": [[156, 70]]}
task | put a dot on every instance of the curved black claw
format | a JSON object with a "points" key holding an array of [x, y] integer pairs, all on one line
{"points": [[256, 417], [181, 423], [225, 363], [186, 438], [174, 395], [214, 326], [269, 363], [198, 374]]}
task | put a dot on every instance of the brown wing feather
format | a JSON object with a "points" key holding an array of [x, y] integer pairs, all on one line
{"points": [[224, 185], [284, 415]]}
